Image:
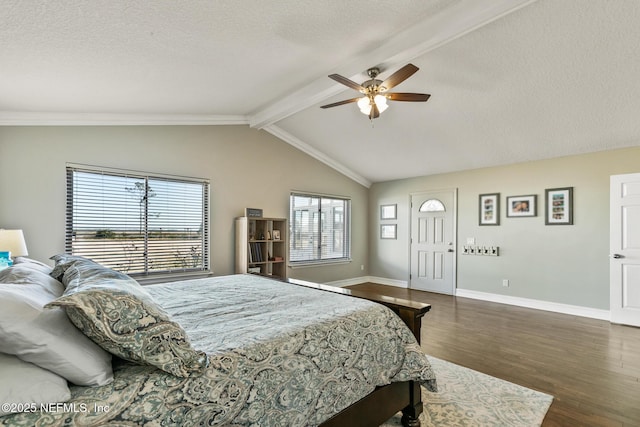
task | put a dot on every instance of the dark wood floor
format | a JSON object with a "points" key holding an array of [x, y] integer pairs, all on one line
{"points": [[591, 367]]}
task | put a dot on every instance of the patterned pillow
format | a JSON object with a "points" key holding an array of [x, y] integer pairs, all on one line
{"points": [[119, 315], [63, 262]]}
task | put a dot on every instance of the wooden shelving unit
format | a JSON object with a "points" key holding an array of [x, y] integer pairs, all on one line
{"points": [[261, 246]]}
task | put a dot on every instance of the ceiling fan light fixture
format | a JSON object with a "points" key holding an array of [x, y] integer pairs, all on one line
{"points": [[365, 105], [381, 102], [374, 101]]}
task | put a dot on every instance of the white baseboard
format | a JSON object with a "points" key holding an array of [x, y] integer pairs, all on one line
{"points": [[365, 279], [555, 307], [574, 310], [348, 282], [389, 282]]}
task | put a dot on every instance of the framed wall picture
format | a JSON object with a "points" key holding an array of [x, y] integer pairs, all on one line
{"points": [[559, 206], [388, 211], [489, 205], [388, 231], [253, 213], [518, 206]]}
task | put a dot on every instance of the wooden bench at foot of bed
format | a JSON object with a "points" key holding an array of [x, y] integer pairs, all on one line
{"points": [[411, 312], [383, 402]]}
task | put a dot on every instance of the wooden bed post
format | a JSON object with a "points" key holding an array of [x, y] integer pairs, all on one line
{"points": [[411, 413]]}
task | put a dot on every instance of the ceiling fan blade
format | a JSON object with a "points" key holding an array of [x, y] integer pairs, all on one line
{"points": [[410, 97], [374, 113], [335, 104], [345, 81], [399, 76]]}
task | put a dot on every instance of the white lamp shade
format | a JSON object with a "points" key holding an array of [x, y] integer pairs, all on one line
{"points": [[381, 102], [13, 241], [364, 104]]}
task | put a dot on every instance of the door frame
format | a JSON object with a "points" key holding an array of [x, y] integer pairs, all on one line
{"points": [[454, 222], [617, 256]]}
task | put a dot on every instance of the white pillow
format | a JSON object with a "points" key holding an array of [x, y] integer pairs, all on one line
{"points": [[47, 338], [25, 383], [25, 274], [33, 264]]}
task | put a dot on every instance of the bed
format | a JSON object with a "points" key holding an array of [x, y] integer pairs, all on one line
{"points": [[238, 350]]}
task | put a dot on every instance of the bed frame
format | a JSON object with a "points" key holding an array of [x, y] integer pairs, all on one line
{"points": [[380, 405]]}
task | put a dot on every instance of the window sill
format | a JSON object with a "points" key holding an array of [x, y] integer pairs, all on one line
{"points": [[175, 277], [324, 263]]}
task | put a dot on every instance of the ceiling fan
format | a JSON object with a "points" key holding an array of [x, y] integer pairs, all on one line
{"points": [[375, 92]]}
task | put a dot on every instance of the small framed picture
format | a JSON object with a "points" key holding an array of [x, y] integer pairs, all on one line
{"points": [[559, 206], [388, 212], [489, 205], [276, 234], [253, 213], [518, 206], [388, 231]]}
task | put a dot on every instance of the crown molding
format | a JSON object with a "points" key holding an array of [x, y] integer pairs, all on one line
{"points": [[10, 118], [316, 154]]}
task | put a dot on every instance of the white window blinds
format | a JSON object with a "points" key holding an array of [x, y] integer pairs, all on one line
{"points": [[320, 229], [136, 223]]}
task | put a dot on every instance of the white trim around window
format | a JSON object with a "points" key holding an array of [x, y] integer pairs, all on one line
{"points": [[143, 224], [320, 229]]}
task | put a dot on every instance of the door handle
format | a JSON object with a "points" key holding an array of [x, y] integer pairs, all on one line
{"points": [[617, 256], [450, 250]]}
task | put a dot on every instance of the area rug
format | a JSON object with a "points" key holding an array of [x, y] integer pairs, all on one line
{"points": [[469, 398]]}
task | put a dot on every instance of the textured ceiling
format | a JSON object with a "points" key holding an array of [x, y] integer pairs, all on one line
{"points": [[511, 80]]}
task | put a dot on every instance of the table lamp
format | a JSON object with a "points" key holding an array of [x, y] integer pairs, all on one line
{"points": [[12, 243]]}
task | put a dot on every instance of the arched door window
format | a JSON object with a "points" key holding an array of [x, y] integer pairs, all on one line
{"points": [[432, 205]]}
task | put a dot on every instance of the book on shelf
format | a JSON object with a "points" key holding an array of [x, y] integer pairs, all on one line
{"points": [[255, 252]]}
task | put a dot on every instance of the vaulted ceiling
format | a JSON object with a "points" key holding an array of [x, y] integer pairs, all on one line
{"points": [[510, 80]]}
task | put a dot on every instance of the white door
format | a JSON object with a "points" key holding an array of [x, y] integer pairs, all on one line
{"points": [[625, 249], [433, 237]]}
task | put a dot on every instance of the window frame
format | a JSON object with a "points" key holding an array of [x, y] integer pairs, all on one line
{"points": [[148, 275], [320, 215]]}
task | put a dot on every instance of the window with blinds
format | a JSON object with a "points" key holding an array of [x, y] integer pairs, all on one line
{"points": [[320, 229], [136, 223]]}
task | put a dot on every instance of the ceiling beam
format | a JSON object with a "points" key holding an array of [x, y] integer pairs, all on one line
{"points": [[433, 32], [316, 154]]}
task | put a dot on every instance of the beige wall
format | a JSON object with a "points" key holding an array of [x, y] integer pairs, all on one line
{"points": [[250, 168], [247, 168], [562, 264]]}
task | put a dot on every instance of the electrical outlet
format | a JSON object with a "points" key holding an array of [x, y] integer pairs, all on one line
{"points": [[505, 283]]}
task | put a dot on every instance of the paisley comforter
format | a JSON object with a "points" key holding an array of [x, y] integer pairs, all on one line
{"points": [[279, 355]]}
